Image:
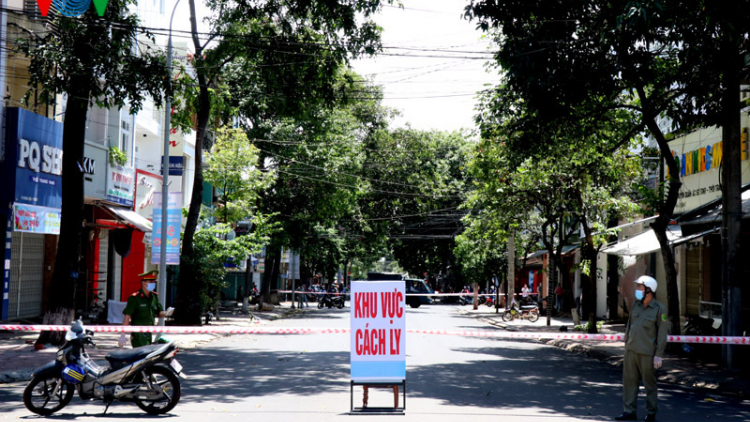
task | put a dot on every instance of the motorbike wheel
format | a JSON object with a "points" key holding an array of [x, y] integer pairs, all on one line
{"points": [[320, 304], [507, 316], [533, 316], [170, 385], [39, 395], [340, 304]]}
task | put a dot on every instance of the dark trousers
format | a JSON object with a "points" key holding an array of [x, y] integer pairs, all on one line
{"points": [[637, 367]]}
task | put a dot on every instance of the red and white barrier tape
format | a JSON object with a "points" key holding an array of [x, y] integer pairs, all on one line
{"points": [[407, 294], [292, 330]]}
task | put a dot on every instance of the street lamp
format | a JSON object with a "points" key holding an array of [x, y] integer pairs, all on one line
{"points": [[165, 172]]}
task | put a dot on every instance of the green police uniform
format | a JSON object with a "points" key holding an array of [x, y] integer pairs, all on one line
{"points": [[645, 337], [143, 309]]}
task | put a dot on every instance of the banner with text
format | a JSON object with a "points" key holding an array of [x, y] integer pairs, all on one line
{"points": [[378, 331], [174, 218]]}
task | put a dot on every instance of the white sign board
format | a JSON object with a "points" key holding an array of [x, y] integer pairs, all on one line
{"points": [[378, 331], [699, 155]]}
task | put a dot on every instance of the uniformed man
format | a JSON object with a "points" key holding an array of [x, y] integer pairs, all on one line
{"points": [[645, 341], [142, 308]]}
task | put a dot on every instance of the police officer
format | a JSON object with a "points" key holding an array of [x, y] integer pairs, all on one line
{"points": [[142, 308], [645, 341]]}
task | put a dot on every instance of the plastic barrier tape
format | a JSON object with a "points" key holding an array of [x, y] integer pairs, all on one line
{"points": [[279, 330], [407, 294]]}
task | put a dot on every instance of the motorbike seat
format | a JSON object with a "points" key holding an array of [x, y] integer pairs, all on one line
{"points": [[528, 307], [122, 357]]}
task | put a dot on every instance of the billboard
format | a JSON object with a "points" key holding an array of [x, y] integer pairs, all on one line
{"points": [[32, 170], [174, 218]]}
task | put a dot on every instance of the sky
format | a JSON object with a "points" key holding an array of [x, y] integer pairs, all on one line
{"points": [[433, 63], [436, 92]]}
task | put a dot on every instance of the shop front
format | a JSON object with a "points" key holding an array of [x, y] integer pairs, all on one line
{"points": [[31, 196]]}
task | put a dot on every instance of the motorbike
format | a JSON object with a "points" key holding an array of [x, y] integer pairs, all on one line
{"points": [[146, 376], [330, 301], [530, 312]]}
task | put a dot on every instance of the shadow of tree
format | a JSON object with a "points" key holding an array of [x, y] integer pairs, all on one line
{"points": [[505, 375]]}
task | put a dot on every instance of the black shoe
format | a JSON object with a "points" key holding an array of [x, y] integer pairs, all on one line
{"points": [[627, 417], [650, 418]]}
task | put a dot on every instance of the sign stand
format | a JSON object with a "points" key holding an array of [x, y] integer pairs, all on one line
{"points": [[399, 386], [378, 344]]}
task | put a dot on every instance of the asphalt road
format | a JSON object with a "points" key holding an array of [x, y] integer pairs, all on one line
{"points": [[306, 377]]}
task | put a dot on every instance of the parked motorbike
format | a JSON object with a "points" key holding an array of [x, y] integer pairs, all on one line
{"points": [[147, 376], [530, 312], [330, 301], [699, 326]]}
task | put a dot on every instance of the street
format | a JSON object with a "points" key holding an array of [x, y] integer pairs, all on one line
{"points": [[306, 377]]}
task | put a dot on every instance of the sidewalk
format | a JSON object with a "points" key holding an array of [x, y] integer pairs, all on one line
{"points": [[18, 359], [678, 369]]}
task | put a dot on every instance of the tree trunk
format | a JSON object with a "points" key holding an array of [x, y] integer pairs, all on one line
{"points": [[666, 210], [61, 306], [273, 256], [551, 284], [188, 306], [590, 296], [731, 177]]}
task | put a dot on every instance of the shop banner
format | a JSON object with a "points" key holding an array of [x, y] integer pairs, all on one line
{"points": [[175, 166], [146, 185], [174, 218], [121, 185], [33, 219], [378, 331], [32, 169]]}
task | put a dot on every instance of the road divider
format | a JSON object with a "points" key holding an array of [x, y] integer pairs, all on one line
{"points": [[227, 329]]}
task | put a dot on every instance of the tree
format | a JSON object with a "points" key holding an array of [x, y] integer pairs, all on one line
{"points": [[582, 177], [95, 62], [256, 46], [231, 168], [656, 58]]}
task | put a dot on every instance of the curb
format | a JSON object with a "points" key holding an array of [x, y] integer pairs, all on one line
{"points": [[25, 374], [708, 387]]}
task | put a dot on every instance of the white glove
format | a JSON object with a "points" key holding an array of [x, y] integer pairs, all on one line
{"points": [[121, 342], [657, 362], [169, 311]]}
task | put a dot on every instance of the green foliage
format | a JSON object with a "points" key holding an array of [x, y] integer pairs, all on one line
{"points": [[100, 59], [585, 327], [231, 169], [117, 156], [213, 250]]}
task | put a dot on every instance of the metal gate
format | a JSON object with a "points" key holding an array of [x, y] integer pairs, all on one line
{"points": [[694, 277], [26, 275]]}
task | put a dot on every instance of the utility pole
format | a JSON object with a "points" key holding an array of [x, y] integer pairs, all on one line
{"points": [[165, 174]]}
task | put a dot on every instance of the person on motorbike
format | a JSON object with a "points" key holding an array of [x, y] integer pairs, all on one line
{"points": [[142, 308]]}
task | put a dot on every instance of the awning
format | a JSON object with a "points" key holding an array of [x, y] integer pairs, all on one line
{"points": [[643, 243], [130, 218]]}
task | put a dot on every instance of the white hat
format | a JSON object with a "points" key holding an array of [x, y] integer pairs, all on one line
{"points": [[647, 281]]}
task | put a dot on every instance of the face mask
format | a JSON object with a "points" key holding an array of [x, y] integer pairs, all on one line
{"points": [[639, 294], [151, 286]]}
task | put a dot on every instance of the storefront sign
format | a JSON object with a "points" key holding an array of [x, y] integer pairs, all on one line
{"points": [[34, 219], [699, 155], [174, 218], [94, 168], [146, 185], [32, 169], [121, 185], [175, 166], [378, 331]]}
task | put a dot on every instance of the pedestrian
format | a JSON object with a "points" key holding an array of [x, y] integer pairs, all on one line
{"points": [[142, 308], [645, 341], [302, 296], [560, 293], [525, 294]]}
